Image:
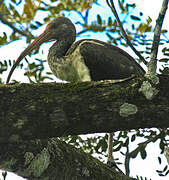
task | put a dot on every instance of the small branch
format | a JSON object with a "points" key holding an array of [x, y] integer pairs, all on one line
{"points": [[110, 148], [127, 162], [152, 65], [4, 21], [123, 31], [166, 153]]}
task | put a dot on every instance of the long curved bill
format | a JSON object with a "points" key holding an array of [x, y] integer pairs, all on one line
{"points": [[45, 36]]}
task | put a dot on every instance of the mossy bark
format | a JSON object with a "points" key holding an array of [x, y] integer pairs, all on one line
{"points": [[29, 111], [42, 111], [53, 159]]}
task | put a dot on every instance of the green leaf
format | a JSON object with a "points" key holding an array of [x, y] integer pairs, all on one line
{"points": [[110, 23], [133, 137], [143, 154], [124, 44], [149, 20], [38, 23], [167, 173], [158, 171], [109, 36], [164, 31], [115, 142], [165, 49], [133, 27], [162, 145], [166, 54], [165, 168], [165, 70], [121, 6], [159, 160], [4, 174], [131, 5], [141, 14], [118, 147], [33, 26], [29, 9], [165, 60], [135, 18], [3, 39], [13, 36], [99, 19], [126, 143], [120, 135], [134, 153], [14, 1]]}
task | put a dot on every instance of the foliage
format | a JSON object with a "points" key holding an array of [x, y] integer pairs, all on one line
{"points": [[23, 17], [4, 175]]}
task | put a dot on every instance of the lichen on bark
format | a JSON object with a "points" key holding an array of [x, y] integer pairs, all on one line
{"points": [[127, 109]]}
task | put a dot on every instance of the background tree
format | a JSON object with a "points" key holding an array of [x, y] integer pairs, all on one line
{"points": [[25, 17]]}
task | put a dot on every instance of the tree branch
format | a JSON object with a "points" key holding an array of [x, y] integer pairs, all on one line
{"points": [[4, 21], [127, 162], [152, 65], [56, 109], [123, 31], [53, 159]]}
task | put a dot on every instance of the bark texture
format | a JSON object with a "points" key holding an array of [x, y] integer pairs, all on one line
{"points": [[41, 111], [29, 111], [53, 159]]}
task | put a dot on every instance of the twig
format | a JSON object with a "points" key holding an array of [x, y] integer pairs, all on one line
{"points": [[127, 162], [123, 31], [152, 65], [166, 153], [4, 21], [110, 160], [110, 148]]}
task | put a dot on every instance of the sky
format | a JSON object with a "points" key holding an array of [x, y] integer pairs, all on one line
{"points": [[145, 168]]}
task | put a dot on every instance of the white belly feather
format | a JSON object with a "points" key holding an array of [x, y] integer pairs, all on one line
{"points": [[70, 68]]}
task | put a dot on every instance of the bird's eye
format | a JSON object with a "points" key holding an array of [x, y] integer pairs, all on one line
{"points": [[51, 26]]}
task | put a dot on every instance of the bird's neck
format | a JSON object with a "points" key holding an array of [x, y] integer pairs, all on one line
{"points": [[60, 48]]}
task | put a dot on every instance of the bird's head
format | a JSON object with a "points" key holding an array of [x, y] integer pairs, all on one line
{"points": [[59, 29]]}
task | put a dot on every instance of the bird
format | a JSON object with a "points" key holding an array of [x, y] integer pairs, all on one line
{"points": [[83, 60]]}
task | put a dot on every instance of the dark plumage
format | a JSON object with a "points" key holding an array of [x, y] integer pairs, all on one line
{"points": [[107, 61], [84, 60]]}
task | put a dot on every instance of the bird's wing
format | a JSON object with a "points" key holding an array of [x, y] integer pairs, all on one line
{"points": [[106, 61]]}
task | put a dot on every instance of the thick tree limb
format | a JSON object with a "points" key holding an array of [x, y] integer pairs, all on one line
{"points": [[29, 111], [53, 159]]}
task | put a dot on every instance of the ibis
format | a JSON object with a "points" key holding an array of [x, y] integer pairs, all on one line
{"points": [[84, 60]]}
